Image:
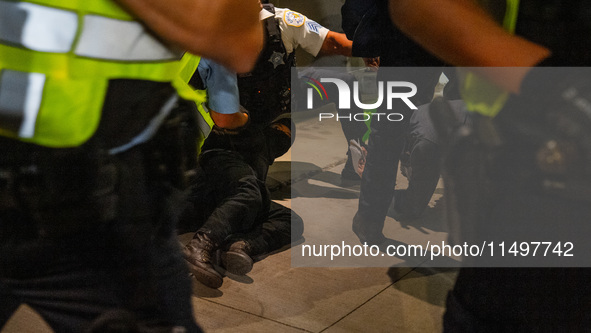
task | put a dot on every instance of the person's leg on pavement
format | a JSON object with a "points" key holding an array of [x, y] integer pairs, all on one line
{"points": [[278, 230], [272, 230], [240, 202], [200, 201]]}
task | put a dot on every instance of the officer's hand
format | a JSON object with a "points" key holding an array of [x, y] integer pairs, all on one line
{"points": [[231, 123], [372, 64], [551, 121]]}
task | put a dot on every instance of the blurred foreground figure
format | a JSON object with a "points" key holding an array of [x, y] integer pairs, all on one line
{"points": [[91, 158], [525, 163]]}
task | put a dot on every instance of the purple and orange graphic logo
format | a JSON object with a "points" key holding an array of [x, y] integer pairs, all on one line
{"points": [[318, 87]]}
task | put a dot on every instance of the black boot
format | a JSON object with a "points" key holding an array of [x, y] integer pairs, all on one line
{"points": [[199, 253], [237, 259], [241, 250]]}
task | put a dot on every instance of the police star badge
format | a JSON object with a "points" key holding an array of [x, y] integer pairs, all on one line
{"points": [[276, 59]]}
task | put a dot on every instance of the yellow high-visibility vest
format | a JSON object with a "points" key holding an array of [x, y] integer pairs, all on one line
{"points": [[190, 62], [56, 58]]}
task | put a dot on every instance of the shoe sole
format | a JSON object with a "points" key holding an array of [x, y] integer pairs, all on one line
{"points": [[237, 263], [206, 278]]}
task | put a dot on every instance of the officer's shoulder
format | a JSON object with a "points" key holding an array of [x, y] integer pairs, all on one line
{"points": [[290, 17]]}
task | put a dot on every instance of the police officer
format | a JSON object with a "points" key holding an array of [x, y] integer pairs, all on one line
{"points": [[504, 178], [265, 91], [288, 30], [374, 35], [240, 218], [91, 160]]}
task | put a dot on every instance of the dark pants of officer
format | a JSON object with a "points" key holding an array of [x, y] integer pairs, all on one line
{"points": [[524, 299], [499, 197], [229, 198], [421, 165], [63, 252], [385, 145]]}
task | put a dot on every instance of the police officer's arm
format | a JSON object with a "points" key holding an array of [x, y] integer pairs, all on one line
{"points": [[227, 31], [463, 34], [223, 101], [336, 44]]}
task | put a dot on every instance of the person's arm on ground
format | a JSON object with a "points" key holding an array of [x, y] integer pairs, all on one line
{"points": [[463, 34], [228, 31], [336, 44]]}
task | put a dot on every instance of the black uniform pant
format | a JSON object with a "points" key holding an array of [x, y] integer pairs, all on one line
{"points": [[85, 240], [421, 165], [385, 145], [524, 299], [498, 197]]}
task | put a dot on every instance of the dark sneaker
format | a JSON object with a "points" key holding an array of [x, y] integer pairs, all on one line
{"points": [[199, 254], [236, 259], [403, 209], [368, 233], [349, 173]]}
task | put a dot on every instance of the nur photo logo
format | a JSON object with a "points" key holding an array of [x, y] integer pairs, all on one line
{"points": [[387, 91]]}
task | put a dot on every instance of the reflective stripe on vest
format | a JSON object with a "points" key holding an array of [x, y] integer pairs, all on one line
{"points": [[189, 65], [480, 95], [20, 99], [31, 27], [46, 29], [204, 121], [56, 60]]}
